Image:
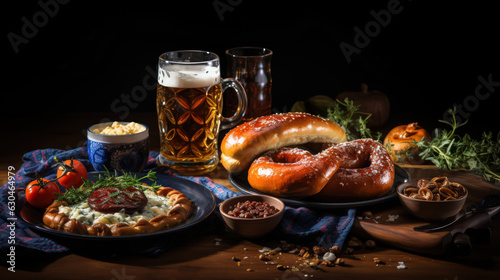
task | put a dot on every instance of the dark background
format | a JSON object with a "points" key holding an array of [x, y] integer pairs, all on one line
{"points": [[88, 55]]}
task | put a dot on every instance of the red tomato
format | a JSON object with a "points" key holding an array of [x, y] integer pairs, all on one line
{"points": [[41, 193], [70, 173]]}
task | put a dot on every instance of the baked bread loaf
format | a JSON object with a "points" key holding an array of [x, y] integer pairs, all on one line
{"points": [[249, 140]]}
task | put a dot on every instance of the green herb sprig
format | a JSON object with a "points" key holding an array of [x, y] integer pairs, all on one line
{"points": [[447, 150], [343, 113], [106, 179]]}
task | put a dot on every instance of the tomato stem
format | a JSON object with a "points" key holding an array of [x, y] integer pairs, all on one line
{"points": [[40, 183], [66, 168]]}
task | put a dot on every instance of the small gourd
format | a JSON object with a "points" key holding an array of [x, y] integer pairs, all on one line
{"points": [[400, 140]]}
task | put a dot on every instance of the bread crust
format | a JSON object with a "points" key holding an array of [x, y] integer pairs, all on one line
{"points": [[249, 140], [367, 172], [351, 171], [179, 213], [293, 172]]}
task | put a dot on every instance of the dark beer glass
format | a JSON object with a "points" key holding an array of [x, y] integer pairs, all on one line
{"points": [[251, 66]]}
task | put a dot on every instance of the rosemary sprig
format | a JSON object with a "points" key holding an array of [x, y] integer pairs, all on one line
{"points": [[343, 114], [106, 179], [447, 150]]}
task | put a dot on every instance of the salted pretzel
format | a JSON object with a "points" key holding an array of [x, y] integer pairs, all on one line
{"points": [[366, 172], [356, 170], [293, 172]]}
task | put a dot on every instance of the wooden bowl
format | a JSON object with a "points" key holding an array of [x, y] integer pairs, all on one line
{"points": [[252, 227], [430, 211]]}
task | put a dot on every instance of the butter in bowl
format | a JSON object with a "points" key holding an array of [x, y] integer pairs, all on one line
{"points": [[121, 146]]}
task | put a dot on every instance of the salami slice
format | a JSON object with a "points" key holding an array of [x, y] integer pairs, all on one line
{"points": [[115, 199]]}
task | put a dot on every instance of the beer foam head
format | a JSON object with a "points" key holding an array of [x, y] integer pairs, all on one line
{"points": [[188, 76]]}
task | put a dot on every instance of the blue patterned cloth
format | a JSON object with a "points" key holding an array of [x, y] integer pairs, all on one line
{"points": [[311, 227]]}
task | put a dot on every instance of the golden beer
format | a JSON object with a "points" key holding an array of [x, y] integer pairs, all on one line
{"points": [[189, 120], [189, 107]]}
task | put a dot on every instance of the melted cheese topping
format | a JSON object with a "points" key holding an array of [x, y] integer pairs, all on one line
{"points": [[157, 205]]}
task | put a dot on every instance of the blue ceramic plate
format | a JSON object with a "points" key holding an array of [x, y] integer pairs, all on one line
{"points": [[203, 200], [240, 182]]}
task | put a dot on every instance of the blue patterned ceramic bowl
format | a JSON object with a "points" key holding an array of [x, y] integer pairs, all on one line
{"points": [[128, 153]]}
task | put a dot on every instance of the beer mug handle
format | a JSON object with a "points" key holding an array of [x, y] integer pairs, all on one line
{"points": [[232, 121]]}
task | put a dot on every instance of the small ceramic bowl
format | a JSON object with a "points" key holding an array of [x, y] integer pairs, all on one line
{"points": [[430, 211], [252, 227], [128, 153]]}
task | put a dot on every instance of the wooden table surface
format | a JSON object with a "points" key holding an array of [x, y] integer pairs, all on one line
{"points": [[208, 253]]}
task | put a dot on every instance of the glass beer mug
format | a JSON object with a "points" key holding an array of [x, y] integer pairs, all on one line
{"points": [[251, 66], [189, 107]]}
